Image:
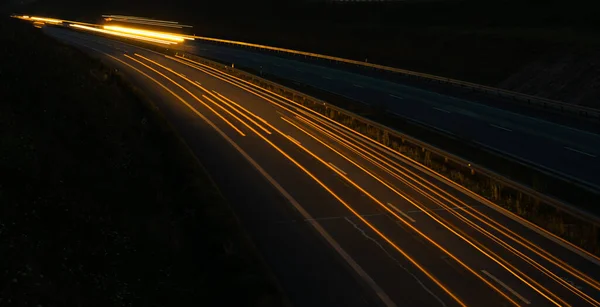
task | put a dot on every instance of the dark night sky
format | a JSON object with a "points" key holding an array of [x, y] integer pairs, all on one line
{"points": [[249, 11]]}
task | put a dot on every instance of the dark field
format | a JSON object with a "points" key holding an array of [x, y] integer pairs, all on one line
{"points": [[102, 205]]}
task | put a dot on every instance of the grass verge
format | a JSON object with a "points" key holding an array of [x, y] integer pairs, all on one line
{"points": [[102, 204]]}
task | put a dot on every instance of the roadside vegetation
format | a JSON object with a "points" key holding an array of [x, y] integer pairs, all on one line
{"points": [[100, 203]]}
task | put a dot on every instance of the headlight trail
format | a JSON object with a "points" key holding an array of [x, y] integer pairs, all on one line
{"points": [[148, 33], [126, 35]]}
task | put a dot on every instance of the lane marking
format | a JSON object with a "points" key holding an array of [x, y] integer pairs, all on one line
{"points": [[422, 123], [357, 85], [339, 169], [441, 110], [198, 82], [443, 209], [327, 218], [397, 97], [515, 293], [293, 139], [402, 213], [400, 265], [445, 131], [581, 152], [326, 77], [500, 127]]}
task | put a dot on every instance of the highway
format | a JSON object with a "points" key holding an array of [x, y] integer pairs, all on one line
{"points": [[339, 219], [564, 150]]}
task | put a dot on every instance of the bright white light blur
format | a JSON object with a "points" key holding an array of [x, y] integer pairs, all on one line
{"points": [[139, 37], [148, 33], [48, 20]]}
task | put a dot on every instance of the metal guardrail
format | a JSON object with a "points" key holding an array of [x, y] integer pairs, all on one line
{"points": [[529, 99]]}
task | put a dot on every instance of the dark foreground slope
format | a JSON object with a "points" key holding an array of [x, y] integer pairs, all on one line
{"points": [[101, 205]]}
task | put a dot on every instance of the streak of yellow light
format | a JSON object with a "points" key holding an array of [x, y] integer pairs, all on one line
{"points": [[389, 241], [538, 250], [205, 97], [47, 20], [468, 268], [239, 106], [148, 33], [465, 238], [242, 86], [463, 207], [372, 227], [191, 94], [383, 236], [242, 113], [428, 212], [228, 112], [191, 107], [521, 276], [138, 37]]}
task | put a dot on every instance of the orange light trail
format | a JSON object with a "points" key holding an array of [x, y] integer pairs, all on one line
{"points": [[470, 211], [428, 212], [567, 268], [191, 94], [521, 276], [464, 265], [205, 97], [386, 207], [382, 296], [241, 113], [389, 241]]}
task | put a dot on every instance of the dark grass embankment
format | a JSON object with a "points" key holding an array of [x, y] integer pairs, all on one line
{"points": [[101, 204]]}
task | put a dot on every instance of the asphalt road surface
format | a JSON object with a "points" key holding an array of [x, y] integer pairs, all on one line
{"points": [[565, 150], [340, 220]]}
